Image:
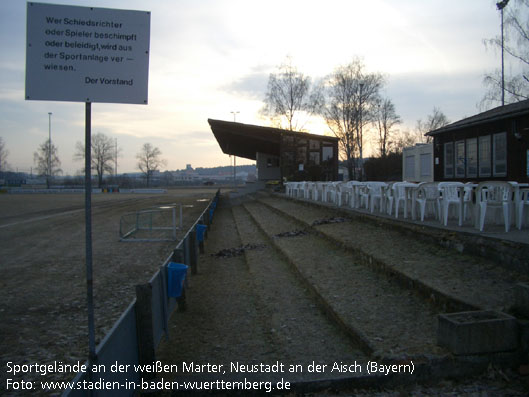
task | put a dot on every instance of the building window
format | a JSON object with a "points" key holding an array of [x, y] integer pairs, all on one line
{"points": [[449, 159], [472, 157], [409, 173], [460, 159], [272, 162], [302, 154], [484, 156], [327, 153], [314, 158], [314, 144], [426, 164], [288, 140], [499, 154]]}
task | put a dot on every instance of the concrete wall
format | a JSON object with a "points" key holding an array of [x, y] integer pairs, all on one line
{"points": [[417, 163], [268, 167]]}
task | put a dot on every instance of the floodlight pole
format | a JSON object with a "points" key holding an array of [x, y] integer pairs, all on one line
{"points": [[501, 5], [49, 149], [234, 157], [88, 223]]}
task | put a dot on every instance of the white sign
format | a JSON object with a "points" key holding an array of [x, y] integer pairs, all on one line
{"points": [[85, 54]]}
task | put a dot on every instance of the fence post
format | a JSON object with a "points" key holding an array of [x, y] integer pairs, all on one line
{"points": [[201, 242], [187, 249], [193, 250], [144, 326], [206, 216], [179, 257]]}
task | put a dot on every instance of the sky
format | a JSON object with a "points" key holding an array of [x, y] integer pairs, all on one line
{"points": [[209, 58]]}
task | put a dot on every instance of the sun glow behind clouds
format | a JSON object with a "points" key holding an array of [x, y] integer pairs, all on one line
{"points": [[211, 57]]}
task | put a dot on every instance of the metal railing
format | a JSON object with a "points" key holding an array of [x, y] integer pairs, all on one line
{"points": [[133, 339]]}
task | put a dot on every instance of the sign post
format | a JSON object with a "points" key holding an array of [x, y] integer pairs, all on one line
{"points": [[87, 54], [92, 357]]}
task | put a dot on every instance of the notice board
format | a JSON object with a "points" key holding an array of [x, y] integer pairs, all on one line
{"points": [[87, 54]]}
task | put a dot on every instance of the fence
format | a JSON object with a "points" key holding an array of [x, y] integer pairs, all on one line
{"points": [[133, 339]]}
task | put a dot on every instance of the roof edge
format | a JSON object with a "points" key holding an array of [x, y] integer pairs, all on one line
{"points": [[268, 129], [498, 113]]}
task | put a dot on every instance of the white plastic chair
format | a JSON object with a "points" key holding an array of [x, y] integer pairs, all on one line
{"points": [[293, 189], [399, 195], [495, 194], [318, 191], [340, 192], [449, 196], [304, 189], [428, 193], [523, 202], [375, 194], [353, 189], [363, 194], [331, 190], [388, 198], [288, 188]]}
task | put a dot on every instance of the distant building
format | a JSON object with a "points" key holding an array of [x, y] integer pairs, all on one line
{"points": [[280, 154], [417, 163], [493, 145]]}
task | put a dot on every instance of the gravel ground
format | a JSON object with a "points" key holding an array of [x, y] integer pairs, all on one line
{"points": [[474, 280], [247, 305], [249, 309], [392, 319], [43, 283], [302, 333]]}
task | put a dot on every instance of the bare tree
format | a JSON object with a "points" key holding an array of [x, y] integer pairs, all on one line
{"points": [[516, 47], [47, 161], [351, 95], [103, 155], [433, 122], [404, 139], [4, 166], [288, 97], [149, 160], [386, 119]]}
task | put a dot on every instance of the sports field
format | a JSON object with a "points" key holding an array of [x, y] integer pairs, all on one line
{"points": [[43, 272]]}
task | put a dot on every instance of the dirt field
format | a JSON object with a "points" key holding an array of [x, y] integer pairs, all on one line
{"points": [[43, 273]]}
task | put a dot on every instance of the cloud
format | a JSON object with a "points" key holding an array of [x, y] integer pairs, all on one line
{"points": [[251, 86], [415, 95]]}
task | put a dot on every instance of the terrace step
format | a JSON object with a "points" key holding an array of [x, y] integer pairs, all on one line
{"points": [[454, 281], [300, 332], [390, 320]]}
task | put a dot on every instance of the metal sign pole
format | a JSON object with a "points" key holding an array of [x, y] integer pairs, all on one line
{"points": [[88, 223]]}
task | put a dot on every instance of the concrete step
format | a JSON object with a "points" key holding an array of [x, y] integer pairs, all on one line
{"points": [[453, 281], [389, 320], [300, 332]]}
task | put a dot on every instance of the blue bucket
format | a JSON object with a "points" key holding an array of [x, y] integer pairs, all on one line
{"points": [[176, 275], [200, 232]]}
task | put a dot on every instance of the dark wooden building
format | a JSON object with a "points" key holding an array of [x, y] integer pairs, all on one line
{"points": [[280, 154], [493, 145]]}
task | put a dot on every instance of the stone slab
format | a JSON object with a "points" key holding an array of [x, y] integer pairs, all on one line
{"points": [[477, 332]]}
